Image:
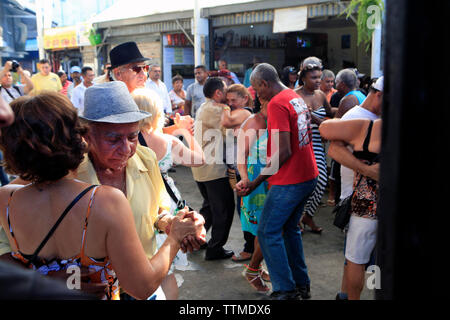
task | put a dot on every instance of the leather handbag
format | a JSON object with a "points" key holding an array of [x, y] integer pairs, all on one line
{"points": [[343, 209]]}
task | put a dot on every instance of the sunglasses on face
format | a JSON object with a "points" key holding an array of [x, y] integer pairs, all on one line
{"points": [[138, 69]]}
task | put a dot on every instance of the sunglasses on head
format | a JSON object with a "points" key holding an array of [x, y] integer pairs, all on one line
{"points": [[311, 66], [138, 69]]}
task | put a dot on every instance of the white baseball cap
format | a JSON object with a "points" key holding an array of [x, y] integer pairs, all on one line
{"points": [[378, 85]]}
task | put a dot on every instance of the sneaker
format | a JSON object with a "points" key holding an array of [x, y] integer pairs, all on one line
{"points": [[304, 292], [340, 297], [284, 295]]}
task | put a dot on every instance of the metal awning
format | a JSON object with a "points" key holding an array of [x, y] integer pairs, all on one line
{"points": [[327, 9], [264, 16]]}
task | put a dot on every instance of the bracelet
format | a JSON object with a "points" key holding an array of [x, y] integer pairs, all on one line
{"points": [[162, 214], [226, 108]]}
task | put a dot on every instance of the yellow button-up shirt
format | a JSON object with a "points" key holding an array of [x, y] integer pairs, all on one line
{"points": [[146, 193]]}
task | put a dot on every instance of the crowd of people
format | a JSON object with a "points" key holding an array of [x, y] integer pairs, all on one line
{"points": [[101, 150]]}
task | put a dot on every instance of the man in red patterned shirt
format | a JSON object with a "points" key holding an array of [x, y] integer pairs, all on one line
{"points": [[292, 173]]}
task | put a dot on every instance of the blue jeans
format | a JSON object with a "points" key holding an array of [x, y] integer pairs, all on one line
{"points": [[280, 237]]}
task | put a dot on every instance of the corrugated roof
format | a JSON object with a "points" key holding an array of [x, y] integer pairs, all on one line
{"points": [[126, 9]]}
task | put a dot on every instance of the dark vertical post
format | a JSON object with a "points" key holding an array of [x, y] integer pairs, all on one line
{"points": [[414, 180], [211, 45]]}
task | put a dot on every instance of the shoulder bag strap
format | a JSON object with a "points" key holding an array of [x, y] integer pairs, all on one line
{"points": [[63, 215], [142, 140], [7, 91], [180, 203], [18, 90]]}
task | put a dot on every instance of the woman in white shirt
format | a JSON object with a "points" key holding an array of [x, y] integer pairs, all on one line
{"points": [[177, 95]]}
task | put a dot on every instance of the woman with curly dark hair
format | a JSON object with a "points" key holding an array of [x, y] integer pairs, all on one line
{"points": [[45, 146]]}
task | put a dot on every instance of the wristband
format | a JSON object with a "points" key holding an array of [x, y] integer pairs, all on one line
{"points": [[226, 108]]}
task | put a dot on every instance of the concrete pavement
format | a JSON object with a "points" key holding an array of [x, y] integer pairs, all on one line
{"points": [[223, 280]]}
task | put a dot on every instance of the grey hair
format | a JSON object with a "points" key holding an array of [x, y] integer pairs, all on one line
{"points": [[265, 71], [327, 74], [113, 76], [348, 77], [154, 65]]}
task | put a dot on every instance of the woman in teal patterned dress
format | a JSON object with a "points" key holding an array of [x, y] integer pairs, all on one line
{"points": [[251, 160]]}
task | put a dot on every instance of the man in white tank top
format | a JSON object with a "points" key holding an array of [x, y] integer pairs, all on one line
{"points": [[369, 109]]}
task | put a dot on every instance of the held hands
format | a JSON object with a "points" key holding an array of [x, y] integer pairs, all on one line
{"points": [[187, 227], [244, 187]]}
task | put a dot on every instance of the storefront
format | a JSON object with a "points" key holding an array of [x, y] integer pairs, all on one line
{"points": [[238, 37], [162, 37], [278, 32], [178, 57], [71, 46]]}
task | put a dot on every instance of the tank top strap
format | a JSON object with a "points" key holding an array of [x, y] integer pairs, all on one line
{"points": [[367, 139], [245, 121], [86, 220], [9, 222]]}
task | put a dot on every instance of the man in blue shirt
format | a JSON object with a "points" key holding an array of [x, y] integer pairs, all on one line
{"points": [[346, 84]]}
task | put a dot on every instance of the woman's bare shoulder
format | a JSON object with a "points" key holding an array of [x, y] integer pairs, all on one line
{"points": [[108, 202], [254, 122], [7, 190]]}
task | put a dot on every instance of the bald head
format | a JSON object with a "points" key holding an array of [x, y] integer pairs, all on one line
{"points": [[266, 72]]}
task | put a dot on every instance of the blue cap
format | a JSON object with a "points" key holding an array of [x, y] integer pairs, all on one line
{"points": [[75, 69]]}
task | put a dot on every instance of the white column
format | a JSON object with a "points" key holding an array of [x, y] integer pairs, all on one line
{"points": [[43, 21], [377, 36], [199, 28], [40, 27], [376, 53]]}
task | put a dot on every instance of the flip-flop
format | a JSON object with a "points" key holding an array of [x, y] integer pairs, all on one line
{"points": [[239, 257]]}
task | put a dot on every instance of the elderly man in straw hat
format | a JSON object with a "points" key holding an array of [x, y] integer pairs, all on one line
{"points": [[116, 159]]}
